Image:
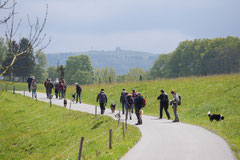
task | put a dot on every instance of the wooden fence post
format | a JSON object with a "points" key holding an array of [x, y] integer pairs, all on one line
{"points": [[80, 149], [119, 117], [110, 139], [95, 112], [123, 130], [50, 102]]}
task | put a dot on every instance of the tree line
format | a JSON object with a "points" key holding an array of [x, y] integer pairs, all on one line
{"points": [[199, 57]]}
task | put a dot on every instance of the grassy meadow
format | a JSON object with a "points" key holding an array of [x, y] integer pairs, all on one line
{"points": [[33, 130], [218, 94]]}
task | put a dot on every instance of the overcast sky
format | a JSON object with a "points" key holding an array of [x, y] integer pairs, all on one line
{"points": [[155, 26]]}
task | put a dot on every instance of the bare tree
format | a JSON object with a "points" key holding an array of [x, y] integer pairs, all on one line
{"points": [[36, 37]]}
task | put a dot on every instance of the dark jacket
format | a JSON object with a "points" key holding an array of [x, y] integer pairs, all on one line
{"points": [[138, 102], [102, 97], [123, 97], [29, 80], [78, 89], [164, 101]]}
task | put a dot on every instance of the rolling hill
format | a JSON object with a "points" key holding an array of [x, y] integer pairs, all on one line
{"points": [[121, 60]]}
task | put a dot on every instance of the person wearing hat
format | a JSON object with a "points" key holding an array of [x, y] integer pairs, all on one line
{"points": [[164, 103], [129, 105], [102, 98], [138, 105], [34, 88], [78, 92], [29, 81], [123, 99], [174, 103]]}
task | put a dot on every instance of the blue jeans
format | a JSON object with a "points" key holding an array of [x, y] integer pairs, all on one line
{"points": [[123, 106], [34, 93], [78, 95], [175, 111]]}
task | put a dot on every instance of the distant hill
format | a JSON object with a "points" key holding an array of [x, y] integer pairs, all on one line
{"points": [[121, 60]]}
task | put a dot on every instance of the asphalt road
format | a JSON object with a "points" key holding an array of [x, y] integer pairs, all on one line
{"points": [[164, 140]]}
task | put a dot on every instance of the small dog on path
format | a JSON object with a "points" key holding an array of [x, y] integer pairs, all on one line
{"points": [[217, 117], [73, 97], [113, 107], [65, 103]]}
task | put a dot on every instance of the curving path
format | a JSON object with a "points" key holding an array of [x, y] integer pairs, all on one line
{"points": [[164, 140]]}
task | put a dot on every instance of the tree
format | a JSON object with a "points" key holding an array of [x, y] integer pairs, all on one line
{"points": [[35, 36], [77, 66], [159, 66], [3, 51], [52, 72], [134, 74], [105, 75], [40, 72]]}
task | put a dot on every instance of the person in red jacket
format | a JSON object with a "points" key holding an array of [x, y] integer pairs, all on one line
{"points": [[60, 89]]}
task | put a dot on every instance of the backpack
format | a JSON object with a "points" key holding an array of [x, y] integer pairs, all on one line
{"points": [[180, 100], [56, 85], [144, 102], [102, 98], [165, 98]]}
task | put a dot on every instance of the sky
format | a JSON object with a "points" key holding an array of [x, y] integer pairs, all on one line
{"points": [[155, 26]]}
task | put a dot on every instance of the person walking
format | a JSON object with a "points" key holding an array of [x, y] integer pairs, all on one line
{"points": [[29, 81], [45, 85], [60, 89], [174, 103], [34, 88], [164, 103], [138, 105], [56, 83], [129, 106], [49, 87], [78, 92], [122, 99], [64, 88], [102, 98]]}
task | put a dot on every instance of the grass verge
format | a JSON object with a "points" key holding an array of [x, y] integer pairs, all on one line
{"points": [[33, 130]]}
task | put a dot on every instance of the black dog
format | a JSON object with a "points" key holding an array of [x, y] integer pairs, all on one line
{"points": [[113, 107], [217, 117], [73, 97], [65, 102]]}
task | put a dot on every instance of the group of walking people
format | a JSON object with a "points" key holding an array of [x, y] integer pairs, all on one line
{"points": [[59, 86], [164, 104], [136, 101], [129, 101]]}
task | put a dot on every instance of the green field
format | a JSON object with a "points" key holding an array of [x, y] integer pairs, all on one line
{"points": [[33, 130], [218, 94]]}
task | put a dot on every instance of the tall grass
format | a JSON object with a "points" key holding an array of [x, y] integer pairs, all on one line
{"points": [[33, 130], [218, 94]]}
